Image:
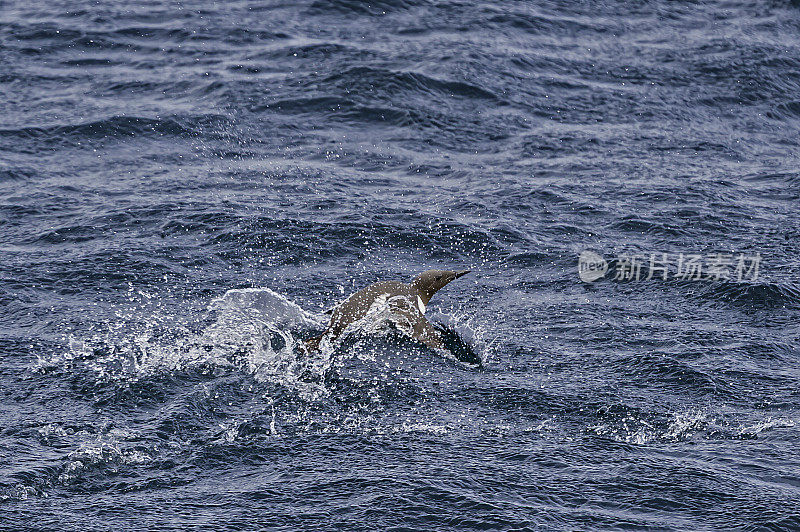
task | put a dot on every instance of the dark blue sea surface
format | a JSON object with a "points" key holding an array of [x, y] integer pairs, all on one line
{"points": [[185, 187]]}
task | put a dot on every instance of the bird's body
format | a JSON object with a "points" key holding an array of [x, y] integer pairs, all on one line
{"points": [[407, 302]]}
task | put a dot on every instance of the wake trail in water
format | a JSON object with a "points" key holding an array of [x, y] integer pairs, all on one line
{"points": [[259, 332]]}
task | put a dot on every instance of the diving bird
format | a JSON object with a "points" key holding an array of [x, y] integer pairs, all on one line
{"points": [[407, 303]]}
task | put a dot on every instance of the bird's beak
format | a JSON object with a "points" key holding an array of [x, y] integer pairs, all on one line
{"points": [[461, 273]]}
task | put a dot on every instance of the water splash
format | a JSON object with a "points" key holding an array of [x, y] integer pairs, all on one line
{"points": [[770, 423], [256, 331], [268, 306]]}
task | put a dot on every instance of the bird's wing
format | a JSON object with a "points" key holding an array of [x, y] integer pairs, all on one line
{"points": [[415, 324], [427, 334]]}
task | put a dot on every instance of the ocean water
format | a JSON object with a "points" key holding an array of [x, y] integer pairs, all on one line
{"points": [[185, 187]]}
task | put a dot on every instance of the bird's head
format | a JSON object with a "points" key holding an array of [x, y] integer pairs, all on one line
{"points": [[430, 282]]}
